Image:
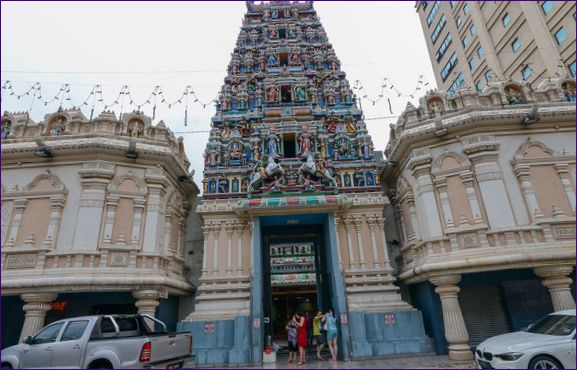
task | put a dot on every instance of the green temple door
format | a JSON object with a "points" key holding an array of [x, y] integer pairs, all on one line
{"points": [[294, 280]]}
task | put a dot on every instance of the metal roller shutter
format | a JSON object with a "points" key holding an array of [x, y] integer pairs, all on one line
{"points": [[484, 313]]}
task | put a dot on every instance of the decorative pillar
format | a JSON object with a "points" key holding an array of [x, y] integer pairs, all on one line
{"points": [[413, 216], [229, 230], [347, 222], [358, 223], [168, 244], [405, 235], [381, 221], [472, 197], [455, 329], [205, 233], [137, 224], [95, 177], [154, 212], [239, 236], [216, 237], [111, 205], [420, 164], [56, 207], [563, 171], [19, 207], [556, 279], [146, 303], [179, 244], [522, 173], [441, 184], [371, 223], [337, 240], [37, 304]]}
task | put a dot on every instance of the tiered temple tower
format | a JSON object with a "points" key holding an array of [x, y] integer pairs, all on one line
{"points": [[292, 206]]}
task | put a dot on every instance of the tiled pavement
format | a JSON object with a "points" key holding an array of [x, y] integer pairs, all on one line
{"points": [[399, 362]]}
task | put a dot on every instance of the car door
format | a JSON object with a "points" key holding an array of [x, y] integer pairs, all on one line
{"points": [[69, 350], [38, 353]]}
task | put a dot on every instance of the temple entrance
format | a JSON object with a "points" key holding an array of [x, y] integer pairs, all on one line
{"points": [[294, 276]]}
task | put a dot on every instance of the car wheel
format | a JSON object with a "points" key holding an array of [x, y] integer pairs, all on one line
{"points": [[544, 362]]}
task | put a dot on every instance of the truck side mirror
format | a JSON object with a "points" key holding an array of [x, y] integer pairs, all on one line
{"points": [[27, 340]]}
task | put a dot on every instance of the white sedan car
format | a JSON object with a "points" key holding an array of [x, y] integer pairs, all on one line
{"points": [[547, 344]]}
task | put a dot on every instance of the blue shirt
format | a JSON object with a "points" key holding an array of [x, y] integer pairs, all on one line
{"points": [[331, 323]]}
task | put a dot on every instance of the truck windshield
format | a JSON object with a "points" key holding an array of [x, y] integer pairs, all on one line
{"points": [[559, 325]]}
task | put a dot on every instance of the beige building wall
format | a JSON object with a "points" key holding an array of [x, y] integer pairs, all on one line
{"points": [[533, 23]]}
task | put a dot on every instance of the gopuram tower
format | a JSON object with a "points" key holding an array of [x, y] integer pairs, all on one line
{"points": [[292, 205]]}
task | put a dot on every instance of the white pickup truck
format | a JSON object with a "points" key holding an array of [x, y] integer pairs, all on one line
{"points": [[101, 342]]}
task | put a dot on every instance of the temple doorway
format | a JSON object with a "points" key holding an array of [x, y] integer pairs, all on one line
{"points": [[294, 276]]}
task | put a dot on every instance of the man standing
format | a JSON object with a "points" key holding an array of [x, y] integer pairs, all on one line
{"points": [[318, 333]]}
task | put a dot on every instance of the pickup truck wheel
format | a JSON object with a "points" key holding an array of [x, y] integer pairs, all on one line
{"points": [[6, 365], [100, 364]]}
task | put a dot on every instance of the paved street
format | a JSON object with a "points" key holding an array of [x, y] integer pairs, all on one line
{"points": [[408, 362]]}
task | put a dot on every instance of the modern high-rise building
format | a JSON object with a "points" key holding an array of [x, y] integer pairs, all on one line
{"points": [[471, 43]]}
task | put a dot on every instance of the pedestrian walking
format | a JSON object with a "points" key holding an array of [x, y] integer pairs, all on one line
{"points": [[301, 337], [292, 333], [332, 333], [318, 333]]}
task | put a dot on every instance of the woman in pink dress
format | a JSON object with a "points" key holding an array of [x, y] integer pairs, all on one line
{"points": [[302, 340]]}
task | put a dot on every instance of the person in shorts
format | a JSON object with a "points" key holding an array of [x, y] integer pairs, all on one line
{"points": [[318, 333], [332, 333]]}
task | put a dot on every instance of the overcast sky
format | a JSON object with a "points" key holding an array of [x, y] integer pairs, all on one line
{"points": [[175, 44]]}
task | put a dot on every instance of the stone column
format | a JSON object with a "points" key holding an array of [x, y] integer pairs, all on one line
{"points": [[556, 279], [338, 223], [205, 233], [347, 221], [136, 225], [154, 211], [95, 177], [413, 217], [358, 222], [239, 235], [168, 243], [381, 222], [522, 173], [563, 171], [371, 223], [441, 184], [19, 207], [455, 329], [472, 197], [37, 304], [111, 205], [229, 231], [216, 237], [430, 225], [146, 302]]}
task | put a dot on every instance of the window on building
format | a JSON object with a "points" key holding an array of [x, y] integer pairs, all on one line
{"points": [[459, 22], [424, 5], [439, 28], [449, 67], [465, 41], [516, 45], [454, 3], [472, 63], [572, 69], [480, 53], [526, 72], [480, 85], [443, 48], [547, 6], [506, 20], [488, 75], [561, 35], [456, 84], [466, 9], [473, 30], [433, 13]]}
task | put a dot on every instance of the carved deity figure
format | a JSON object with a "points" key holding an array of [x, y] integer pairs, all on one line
{"points": [[513, 95], [305, 142], [58, 126], [568, 90], [6, 128], [292, 32], [272, 144], [273, 32], [272, 60], [295, 60], [299, 93], [258, 97], [236, 150], [272, 94]]}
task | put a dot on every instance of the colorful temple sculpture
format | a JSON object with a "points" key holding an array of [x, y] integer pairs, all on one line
{"points": [[292, 203]]}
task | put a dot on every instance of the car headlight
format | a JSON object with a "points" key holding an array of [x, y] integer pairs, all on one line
{"points": [[509, 356]]}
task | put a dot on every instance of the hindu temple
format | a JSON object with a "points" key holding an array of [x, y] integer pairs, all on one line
{"points": [[292, 204]]}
